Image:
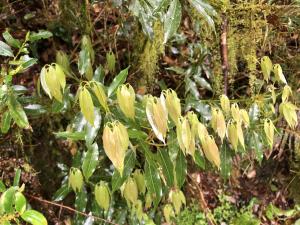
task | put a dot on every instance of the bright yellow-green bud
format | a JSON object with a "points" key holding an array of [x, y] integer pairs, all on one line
{"points": [[269, 131], [240, 134], [177, 198], [211, 150], [218, 122], [266, 67], [288, 110], [202, 132], [225, 104], [157, 115], [287, 91], [173, 105], [193, 119], [63, 60], [235, 112], [148, 200], [110, 61], [245, 117], [86, 105], [100, 94], [279, 74], [53, 81], [186, 139], [126, 100], [75, 179], [140, 181], [115, 143], [102, 195], [232, 134], [130, 191], [168, 212]]}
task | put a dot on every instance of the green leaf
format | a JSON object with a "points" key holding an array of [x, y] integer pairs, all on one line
{"points": [[203, 83], [205, 10], [17, 112], [41, 34], [90, 161], [137, 134], [20, 203], [92, 131], [226, 161], [117, 81], [80, 205], [75, 136], [255, 143], [5, 122], [11, 40], [153, 181], [172, 20], [83, 61], [167, 166], [61, 193], [180, 169], [5, 50], [199, 160], [99, 74], [2, 186], [7, 200], [117, 179], [254, 112], [34, 217], [17, 178]]}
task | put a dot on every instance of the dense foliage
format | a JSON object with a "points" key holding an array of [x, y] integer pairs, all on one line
{"points": [[162, 100]]}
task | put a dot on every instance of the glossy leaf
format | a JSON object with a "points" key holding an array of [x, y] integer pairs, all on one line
{"points": [[167, 166], [11, 40], [153, 181], [117, 179], [17, 178], [7, 200], [17, 112], [75, 136], [33, 217], [5, 50], [90, 161], [20, 203], [80, 205], [180, 169], [61, 193], [172, 19], [117, 81]]}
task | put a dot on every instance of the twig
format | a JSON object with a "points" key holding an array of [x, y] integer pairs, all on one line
{"points": [[224, 52], [203, 203], [69, 208]]}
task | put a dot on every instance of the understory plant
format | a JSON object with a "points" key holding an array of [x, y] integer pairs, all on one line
{"points": [[132, 150]]}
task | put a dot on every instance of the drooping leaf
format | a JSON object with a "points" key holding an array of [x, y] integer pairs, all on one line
{"points": [[167, 166], [33, 217], [90, 161], [266, 67], [5, 50], [117, 81], [80, 205], [61, 193], [180, 169], [226, 161], [172, 19], [153, 181], [5, 122], [256, 144], [17, 112]]}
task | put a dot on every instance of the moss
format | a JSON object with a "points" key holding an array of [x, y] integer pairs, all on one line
{"points": [[148, 59]]}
